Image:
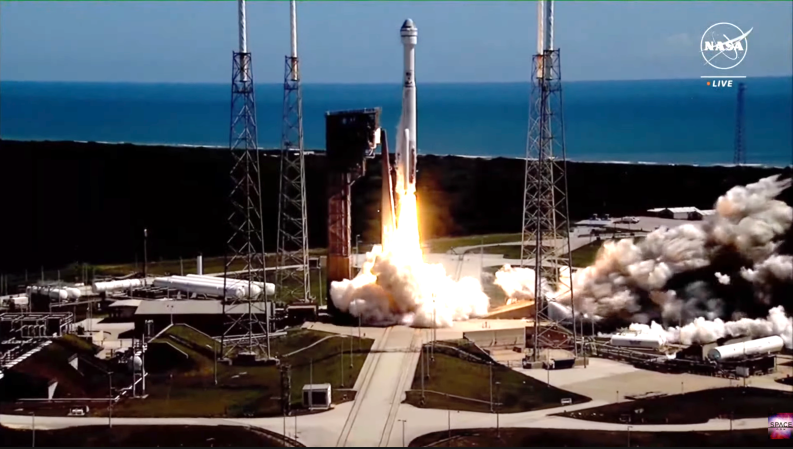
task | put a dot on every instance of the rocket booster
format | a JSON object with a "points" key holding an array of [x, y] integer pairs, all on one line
{"points": [[406, 150]]}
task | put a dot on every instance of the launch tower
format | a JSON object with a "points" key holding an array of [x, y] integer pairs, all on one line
{"points": [[740, 134], [245, 334], [545, 235], [292, 276]]}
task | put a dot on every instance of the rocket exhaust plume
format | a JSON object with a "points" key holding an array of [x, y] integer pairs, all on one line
{"points": [[395, 285], [640, 282]]}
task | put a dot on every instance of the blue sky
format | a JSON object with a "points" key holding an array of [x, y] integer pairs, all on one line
{"points": [[355, 42]]}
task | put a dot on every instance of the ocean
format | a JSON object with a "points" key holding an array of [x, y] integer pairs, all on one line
{"points": [[669, 121]]}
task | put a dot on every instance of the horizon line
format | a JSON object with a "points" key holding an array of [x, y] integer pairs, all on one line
{"points": [[376, 83]]}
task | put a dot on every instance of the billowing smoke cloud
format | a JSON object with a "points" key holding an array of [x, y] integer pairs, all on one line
{"points": [[389, 291], [748, 220], [702, 330], [631, 280]]}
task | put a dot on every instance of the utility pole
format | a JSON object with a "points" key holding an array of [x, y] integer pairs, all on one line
{"points": [[110, 400], [498, 398], [33, 424], [629, 436], [449, 420], [490, 364], [145, 253], [311, 384], [342, 361], [403, 421]]}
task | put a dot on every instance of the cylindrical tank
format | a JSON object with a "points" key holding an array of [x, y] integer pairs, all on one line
{"points": [[200, 264], [637, 341], [73, 293], [255, 289], [244, 283], [752, 347], [123, 284], [200, 288]]}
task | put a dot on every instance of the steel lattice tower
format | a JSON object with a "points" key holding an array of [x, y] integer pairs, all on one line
{"points": [[292, 276], [740, 131], [545, 235], [246, 243]]}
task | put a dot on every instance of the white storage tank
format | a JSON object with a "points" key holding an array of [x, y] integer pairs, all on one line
{"points": [[199, 288], [123, 284], [752, 347], [231, 283], [649, 341], [244, 283]]}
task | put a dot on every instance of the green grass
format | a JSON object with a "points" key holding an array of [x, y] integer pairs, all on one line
{"points": [[188, 390], [443, 245], [470, 379], [144, 436]]}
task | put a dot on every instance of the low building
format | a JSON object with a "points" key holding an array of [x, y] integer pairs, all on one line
{"points": [[124, 308], [317, 396], [204, 315], [677, 213]]}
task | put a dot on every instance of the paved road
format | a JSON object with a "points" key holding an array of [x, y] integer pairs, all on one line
{"points": [[377, 402], [374, 419]]}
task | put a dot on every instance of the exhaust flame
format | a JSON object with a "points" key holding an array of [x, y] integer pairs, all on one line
{"points": [[396, 286]]}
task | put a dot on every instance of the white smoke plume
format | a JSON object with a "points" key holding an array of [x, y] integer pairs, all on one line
{"points": [[702, 330], [748, 219], [389, 292], [724, 279], [396, 286]]}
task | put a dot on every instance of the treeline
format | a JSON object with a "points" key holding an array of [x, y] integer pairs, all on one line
{"points": [[67, 202]]}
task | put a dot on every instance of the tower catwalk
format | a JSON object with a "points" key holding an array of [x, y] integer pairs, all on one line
{"points": [[545, 234], [245, 246], [740, 136], [292, 283]]}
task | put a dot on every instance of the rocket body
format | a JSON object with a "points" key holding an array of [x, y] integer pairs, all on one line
{"points": [[406, 151]]}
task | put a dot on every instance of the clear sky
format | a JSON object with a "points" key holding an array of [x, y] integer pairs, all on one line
{"points": [[354, 42]]}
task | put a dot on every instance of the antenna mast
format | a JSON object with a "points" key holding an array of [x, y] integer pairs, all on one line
{"points": [[245, 246], [545, 236], [292, 276]]}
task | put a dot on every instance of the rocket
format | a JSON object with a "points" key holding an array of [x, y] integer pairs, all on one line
{"points": [[406, 146], [403, 180]]}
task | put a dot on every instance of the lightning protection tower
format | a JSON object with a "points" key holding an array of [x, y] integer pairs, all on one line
{"points": [[545, 235], [740, 131], [292, 275], [245, 333]]}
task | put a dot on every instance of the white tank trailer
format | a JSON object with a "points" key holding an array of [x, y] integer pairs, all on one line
{"points": [[124, 284], [270, 287], [760, 346], [59, 293], [201, 287], [648, 341]]}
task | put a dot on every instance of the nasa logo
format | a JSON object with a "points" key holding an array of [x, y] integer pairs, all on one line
{"points": [[724, 45]]}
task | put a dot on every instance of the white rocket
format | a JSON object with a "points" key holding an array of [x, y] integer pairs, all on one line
{"points": [[406, 147]]}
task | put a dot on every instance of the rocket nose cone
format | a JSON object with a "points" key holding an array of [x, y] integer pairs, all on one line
{"points": [[408, 24]]}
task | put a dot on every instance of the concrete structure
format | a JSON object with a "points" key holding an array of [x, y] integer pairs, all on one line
{"points": [[206, 316], [124, 308], [317, 396]]}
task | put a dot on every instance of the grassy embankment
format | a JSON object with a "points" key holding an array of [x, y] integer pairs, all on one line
{"points": [[459, 379], [146, 436], [692, 408], [181, 382]]}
